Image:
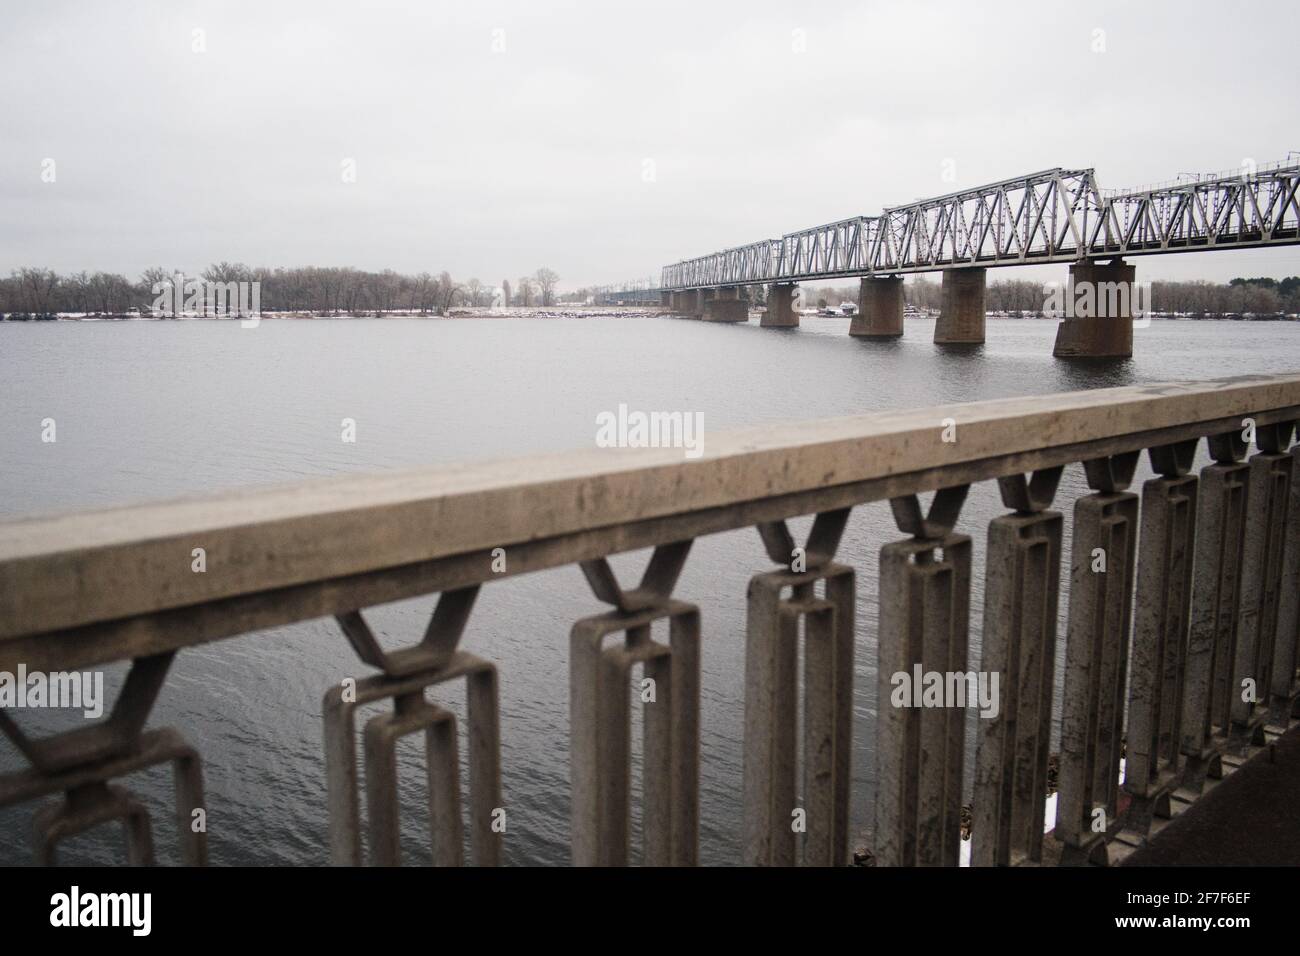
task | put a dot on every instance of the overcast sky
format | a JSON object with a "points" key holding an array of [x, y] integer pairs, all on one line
{"points": [[600, 139]]}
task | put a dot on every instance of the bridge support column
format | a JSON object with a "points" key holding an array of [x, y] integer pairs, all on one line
{"points": [[961, 314], [688, 302], [780, 313], [726, 306], [880, 308], [1103, 293], [665, 299]]}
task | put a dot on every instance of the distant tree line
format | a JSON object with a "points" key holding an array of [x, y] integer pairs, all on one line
{"points": [[1240, 296], [43, 293]]}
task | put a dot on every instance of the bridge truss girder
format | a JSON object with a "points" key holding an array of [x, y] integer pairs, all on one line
{"points": [[1055, 215]]}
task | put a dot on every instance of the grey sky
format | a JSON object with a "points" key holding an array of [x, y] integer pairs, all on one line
{"points": [[491, 163]]}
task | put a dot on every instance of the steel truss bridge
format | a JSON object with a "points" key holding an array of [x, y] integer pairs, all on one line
{"points": [[1056, 215]]}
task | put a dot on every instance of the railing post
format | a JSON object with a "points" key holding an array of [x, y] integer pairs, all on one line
{"points": [[81, 764], [1270, 477], [1211, 640], [771, 771], [1101, 596], [407, 674], [1022, 588], [1286, 652], [924, 623], [1164, 584], [600, 738]]}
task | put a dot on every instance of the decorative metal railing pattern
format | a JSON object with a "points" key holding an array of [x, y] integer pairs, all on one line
{"points": [[1201, 677], [1056, 215]]}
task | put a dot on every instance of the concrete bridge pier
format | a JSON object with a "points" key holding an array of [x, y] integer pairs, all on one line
{"points": [[780, 313], [1104, 294], [726, 305], [665, 299], [880, 308], [961, 310], [688, 302]]}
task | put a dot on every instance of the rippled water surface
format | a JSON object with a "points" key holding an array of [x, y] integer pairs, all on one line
{"points": [[150, 410]]}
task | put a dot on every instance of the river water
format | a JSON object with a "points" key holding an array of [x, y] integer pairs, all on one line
{"points": [[148, 410]]}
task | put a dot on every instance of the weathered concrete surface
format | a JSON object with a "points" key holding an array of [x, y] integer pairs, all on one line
{"points": [[1108, 331], [923, 620], [600, 753], [1247, 820], [726, 310], [880, 308], [780, 313], [772, 771], [688, 302], [1022, 594], [71, 570], [961, 314]]}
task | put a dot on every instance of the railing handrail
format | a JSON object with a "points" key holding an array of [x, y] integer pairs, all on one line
{"points": [[125, 564]]}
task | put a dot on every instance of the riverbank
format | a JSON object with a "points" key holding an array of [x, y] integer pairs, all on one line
{"points": [[565, 312], [551, 312]]}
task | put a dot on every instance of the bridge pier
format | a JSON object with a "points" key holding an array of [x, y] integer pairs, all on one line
{"points": [[726, 306], [780, 313], [880, 308], [665, 299], [1104, 292], [961, 312], [688, 302]]}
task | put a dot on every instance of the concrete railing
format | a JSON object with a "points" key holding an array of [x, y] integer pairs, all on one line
{"points": [[1197, 677]]}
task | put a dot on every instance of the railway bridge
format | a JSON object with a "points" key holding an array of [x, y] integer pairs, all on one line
{"points": [[1052, 216]]}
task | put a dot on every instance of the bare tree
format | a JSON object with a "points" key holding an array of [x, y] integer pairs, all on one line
{"points": [[351, 291], [383, 289], [109, 292], [228, 272], [422, 292], [37, 287], [546, 279], [473, 289], [445, 293], [76, 292]]}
